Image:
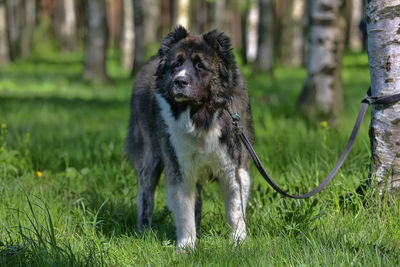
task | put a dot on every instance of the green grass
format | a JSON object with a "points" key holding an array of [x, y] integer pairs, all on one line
{"points": [[67, 192]]}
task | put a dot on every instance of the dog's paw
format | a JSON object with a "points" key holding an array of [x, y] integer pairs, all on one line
{"points": [[186, 244], [143, 228], [238, 236]]}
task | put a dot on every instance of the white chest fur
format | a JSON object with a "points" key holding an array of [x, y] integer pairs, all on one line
{"points": [[199, 152]]}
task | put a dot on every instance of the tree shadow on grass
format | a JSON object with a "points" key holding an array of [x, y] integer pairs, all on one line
{"points": [[68, 103], [58, 76], [118, 218], [50, 67], [80, 131]]}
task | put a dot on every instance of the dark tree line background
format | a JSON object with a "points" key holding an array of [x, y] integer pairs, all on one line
{"points": [[266, 33]]}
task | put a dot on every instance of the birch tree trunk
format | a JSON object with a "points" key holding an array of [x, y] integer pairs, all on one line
{"points": [[4, 54], [292, 33], [383, 20], [29, 21], [68, 26], [321, 97], [265, 59], [182, 11], [128, 36], [355, 35], [252, 32], [96, 44]]}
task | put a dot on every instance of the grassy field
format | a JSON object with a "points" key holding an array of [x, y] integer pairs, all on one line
{"points": [[67, 192]]}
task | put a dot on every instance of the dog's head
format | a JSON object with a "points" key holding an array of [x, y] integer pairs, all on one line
{"points": [[196, 70]]}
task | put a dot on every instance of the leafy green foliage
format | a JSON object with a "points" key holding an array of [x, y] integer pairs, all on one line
{"points": [[68, 192]]}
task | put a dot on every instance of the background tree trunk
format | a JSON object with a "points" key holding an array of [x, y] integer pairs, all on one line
{"points": [[222, 18], [321, 97], [29, 22], [355, 35], [201, 16], [235, 31], [81, 28], [182, 12], [166, 17], [244, 16], [292, 33], [128, 36], [115, 21], [252, 32], [265, 59], [146, 28], [14, 27], [96, 45], [139, 45], [4, 54], [68, 27], [383, 20], [151, 12]]}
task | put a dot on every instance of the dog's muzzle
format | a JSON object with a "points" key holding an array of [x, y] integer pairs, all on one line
{"points": [[181, 89]]}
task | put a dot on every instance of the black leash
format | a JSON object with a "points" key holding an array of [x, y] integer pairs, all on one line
{"points": [[367, 100]]}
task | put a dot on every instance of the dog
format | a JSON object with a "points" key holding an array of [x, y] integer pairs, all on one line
{"points": [[179, 124]]}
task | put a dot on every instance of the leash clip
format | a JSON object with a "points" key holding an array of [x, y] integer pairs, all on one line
{"points": [[235, 120], [234, 115]]}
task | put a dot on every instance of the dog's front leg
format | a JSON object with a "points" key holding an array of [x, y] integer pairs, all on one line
{"points": [[235, 187], [181, 198]]}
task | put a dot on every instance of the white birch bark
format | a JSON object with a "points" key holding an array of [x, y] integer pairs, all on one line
{"points": [[68, 28], [4, 53], [383, 20], [252, 31], [182, 13], [321, 97], [355, 35], [128, 36]]}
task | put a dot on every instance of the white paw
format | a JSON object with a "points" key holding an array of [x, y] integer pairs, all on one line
{"points": [[238, 236], [186, 243]]}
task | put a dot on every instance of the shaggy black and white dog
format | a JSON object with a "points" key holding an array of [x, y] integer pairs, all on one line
{"points": [[179, 124]]}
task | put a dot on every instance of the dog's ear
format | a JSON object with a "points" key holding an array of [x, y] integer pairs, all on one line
{"points": [[172, 38], [221, 43]]}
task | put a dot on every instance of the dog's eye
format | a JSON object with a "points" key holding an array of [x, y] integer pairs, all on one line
{"points": [[178, 61], [200, 66], [176, 64]]}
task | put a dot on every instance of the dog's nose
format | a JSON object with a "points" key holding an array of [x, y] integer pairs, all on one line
{"points": [[181, 82]]}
